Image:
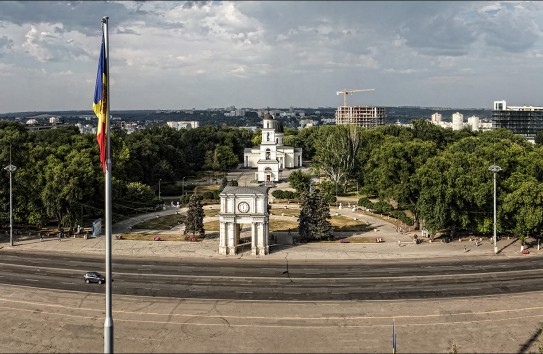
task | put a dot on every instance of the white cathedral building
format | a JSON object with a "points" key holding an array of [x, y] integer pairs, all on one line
{"points": [[271, 157]]}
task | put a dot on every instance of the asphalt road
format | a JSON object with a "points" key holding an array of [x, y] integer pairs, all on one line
{"points": [[280, 280]]}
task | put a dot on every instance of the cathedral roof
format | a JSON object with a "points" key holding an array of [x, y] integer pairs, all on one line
{"points": [[278, 126], [275, 124]]}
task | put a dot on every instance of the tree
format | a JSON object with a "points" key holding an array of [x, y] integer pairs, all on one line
{"points": [[221, 158], [456, 189], [539, 137], [427, 131], [390, 168], [522, 208], [195, 217], [314, 219], [336, 151], [299, 181]]}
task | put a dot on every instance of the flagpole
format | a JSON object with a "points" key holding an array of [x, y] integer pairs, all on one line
{"points": [[393, 337], [108, 323]]}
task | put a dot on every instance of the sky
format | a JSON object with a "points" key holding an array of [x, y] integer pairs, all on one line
{"points": [[176, 55]]}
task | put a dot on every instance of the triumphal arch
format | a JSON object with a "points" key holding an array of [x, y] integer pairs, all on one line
{"points": [[242, 206]]}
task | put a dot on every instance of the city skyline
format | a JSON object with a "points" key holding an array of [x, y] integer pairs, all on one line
{"points": [[184, 55]]}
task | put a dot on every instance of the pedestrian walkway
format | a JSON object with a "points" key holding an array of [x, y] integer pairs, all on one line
{"points": [[394, 245]]}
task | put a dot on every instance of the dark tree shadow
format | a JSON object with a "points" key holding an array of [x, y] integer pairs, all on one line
{"points": [[526, 346]]}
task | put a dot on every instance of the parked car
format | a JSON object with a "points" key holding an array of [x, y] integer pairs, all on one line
{"points": [[94, 277]]}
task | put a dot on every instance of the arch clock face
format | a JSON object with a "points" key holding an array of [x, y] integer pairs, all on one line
{"points": [[243, 207]]}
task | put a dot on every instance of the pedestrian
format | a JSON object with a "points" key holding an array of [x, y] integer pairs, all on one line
{"points": [[41, 236], [289, 231], [465, 249], [399, 243], [59, 237]]}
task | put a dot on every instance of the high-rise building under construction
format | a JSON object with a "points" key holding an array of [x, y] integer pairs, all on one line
{"points": [[364, 116]]}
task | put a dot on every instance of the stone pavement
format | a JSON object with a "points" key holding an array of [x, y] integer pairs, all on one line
{"points": [[388, 249]]}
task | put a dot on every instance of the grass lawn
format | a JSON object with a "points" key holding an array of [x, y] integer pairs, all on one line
{"points": [[287, 212], [201, 189], [161, 223], [211, 225], [343, 223], [353, 239], [212, 212], [283, 225]]}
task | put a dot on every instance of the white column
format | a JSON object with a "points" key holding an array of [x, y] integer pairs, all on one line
{"points": [[266, 238], [253, 239], [223, 230], [231, 247]]}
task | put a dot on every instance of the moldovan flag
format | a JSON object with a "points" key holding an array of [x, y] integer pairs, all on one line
{"points": [[99, 104]]}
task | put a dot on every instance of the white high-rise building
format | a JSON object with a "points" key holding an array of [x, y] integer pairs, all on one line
{"points": [[436, 117], [474, 123], [457, 121], [183, 124]]}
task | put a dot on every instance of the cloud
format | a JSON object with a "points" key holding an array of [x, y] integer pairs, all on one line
{"points": [[208, 53], [442, 34], [82, 16], [510, 27], [6, 44], [51, 43]]}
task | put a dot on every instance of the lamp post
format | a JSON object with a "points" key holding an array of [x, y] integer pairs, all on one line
{"points": [[10, 168], [495, 169], [357, 191], [160, 179], [183, 187]]}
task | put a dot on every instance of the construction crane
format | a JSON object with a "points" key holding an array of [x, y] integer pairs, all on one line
{"points": [[346, 92]]}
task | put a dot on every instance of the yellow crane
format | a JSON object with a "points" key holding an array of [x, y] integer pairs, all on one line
{"points": [[346, 92]]}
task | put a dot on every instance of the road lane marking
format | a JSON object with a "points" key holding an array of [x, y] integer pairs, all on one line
{"points": [[294, 325]]}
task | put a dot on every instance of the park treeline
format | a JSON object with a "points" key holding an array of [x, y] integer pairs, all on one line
{"points": [[59, 177], [440, 176]]}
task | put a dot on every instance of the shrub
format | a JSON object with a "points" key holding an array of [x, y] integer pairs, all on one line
{"points": [[290, 195], [330, 199], [208, 195], [382, 207], [365, 202], [184, 199], [400, 215], [277, 194]]}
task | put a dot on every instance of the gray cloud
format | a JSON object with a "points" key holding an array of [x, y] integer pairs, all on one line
{"points": [[439, 35], [82, 16], [5, 42], [274, 53], [512, 28]]}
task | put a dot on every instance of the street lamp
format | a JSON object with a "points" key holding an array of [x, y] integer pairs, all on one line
{"points": [[160, 179], [495, 169], [10, 168], [183, 187]]}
